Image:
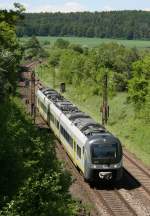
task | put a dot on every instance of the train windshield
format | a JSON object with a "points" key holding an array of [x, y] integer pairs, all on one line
{"points": [[105, 152]]}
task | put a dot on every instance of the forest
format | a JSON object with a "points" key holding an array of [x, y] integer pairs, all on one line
{"points": [[114, 24]]}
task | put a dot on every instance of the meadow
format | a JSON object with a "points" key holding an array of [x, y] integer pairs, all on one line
{"points": [[93, 42]]}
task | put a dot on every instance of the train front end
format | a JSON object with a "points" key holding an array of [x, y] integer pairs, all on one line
{"points": [[103, 158]]}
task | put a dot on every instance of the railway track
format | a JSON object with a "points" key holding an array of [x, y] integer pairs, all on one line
{"points": [[115, 202], [107, 197], [138, 172]]}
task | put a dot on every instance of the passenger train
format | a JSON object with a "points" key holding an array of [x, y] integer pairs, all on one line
{"points": [[93, 150]]}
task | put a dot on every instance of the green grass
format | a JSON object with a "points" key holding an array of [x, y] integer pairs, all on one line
{"points": [[132, 131], [92, 42]]}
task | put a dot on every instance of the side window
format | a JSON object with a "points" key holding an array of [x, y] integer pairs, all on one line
{"points": [[52, 117], [71, 141], [78, 151], [57, 124], [65, 134], [61, 129], [83, 150], [43, 106]]}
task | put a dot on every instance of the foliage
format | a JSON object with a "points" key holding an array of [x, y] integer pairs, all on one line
{"points": [[32, 181], [82, 67], [54, 58], [140, 82], [61, 43], [113, 24], [33, 49], [76, 47], [10, 52], [138, 90]]}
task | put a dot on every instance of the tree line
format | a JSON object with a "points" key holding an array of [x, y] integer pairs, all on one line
{"points": [[113, 24]]}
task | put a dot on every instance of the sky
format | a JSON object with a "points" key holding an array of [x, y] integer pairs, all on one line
{"points": [[77, 5]]}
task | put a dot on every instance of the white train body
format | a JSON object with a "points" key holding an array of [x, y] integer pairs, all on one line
{"points": [[70, 126]]}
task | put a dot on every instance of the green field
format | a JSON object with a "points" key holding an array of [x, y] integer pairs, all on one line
{"points": [[131, 130], [92, 42]]}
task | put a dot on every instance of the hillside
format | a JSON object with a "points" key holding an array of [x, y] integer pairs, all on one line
{"points": [[113, 24]]}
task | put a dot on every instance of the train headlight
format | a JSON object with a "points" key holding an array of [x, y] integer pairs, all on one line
{"points": [[118, 165]]}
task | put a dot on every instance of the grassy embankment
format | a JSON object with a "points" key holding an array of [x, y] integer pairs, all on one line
{"points": [[123, 122], [92, 42]]}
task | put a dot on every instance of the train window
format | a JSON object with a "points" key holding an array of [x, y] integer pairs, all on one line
{"points": [[55, 121], [61, 129], [67, 137], [71, 141], [78, 151], [57, 124], [43, 107], [51, 117], [83, 150]]}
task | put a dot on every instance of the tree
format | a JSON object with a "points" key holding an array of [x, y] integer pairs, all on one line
{"points": [[33, 49], [76, 47], [10, 52], [61, 43], [138, 87], [115, 24]]}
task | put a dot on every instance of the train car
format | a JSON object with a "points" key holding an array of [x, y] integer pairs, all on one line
{"points": [[94, 150]]}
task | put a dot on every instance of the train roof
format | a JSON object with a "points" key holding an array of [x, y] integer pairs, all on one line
{"points": [[80, 119]]}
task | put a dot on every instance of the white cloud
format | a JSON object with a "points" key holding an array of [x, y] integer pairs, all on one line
{"points": [[11, 6], [107, 8], [6, 6], [147, 9], [66, 7]]}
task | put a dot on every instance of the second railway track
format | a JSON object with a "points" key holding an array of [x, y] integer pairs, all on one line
{"points": [[138, 172]]}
